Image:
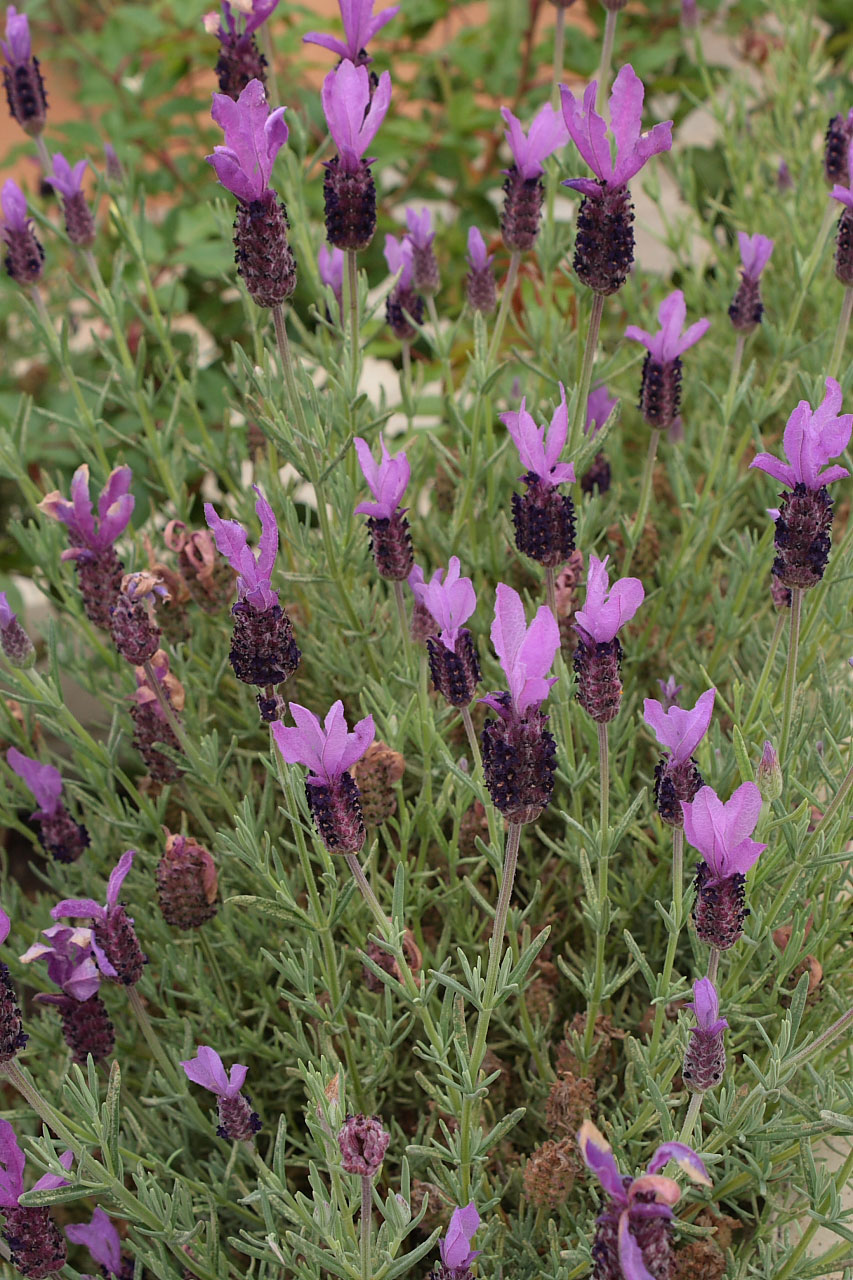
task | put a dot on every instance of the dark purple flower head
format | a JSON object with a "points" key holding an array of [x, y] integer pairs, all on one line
{"points": [[70, 963], [352, 115], [755, 254], [589, 133], [12, 1165], [680, 731], [599, 1159], [14, 204], [455, 1247], [330, 263], [812, 437], [386, 480], [43, 780], [104, 917], [420, 229], [253, 138], [17, 47], [529, 152], [607, 608], [328, 750], [207, 1070], [526, 653], [706, 1007], [67, 181], [254, 575], [539, 448], [398, 255], [240, 19], [599, 407], [360, 26], [115, 507], [363, 1143], [478, 258], [100, 1238], [449, 598], [721, 831], [669, 342]]}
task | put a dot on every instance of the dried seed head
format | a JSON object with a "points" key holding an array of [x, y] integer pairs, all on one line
{"points": [[566, 1060], [604, 244], [363, 1143], [698, 1260], [570, 1101], [187, 883], [550, 1173], [375, 775]]}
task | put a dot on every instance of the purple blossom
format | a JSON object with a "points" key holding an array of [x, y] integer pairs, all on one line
{"points": [[7, 617], [669, 343], [669, 691], [43, 780], [539, 449], [547, 132], [599, 407], [680, 731], [399, 257], [100, 1238], [450, 600], [207, 1070], [360, 26], [421, 233], [253, 575], [328, 750], [721, 831], [706, 1008], [606, 609], [5, 925], [589, 133], [67, 181], [14, 204], [69, 960], [386, 480], [455, 1248], [352, 114], [12, 1165], [17, 47], [253, 138], [526, 653], [812, 437], [478, 258], [100, 915], [845, 194], [755, 254], [239, 20], [115, 507], [330, 263]]}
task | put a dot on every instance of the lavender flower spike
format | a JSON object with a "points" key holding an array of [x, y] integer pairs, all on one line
{"points": [[353, 116], [60, 835], [390, 540], [22, 77], [36, 1246], [102, 1240], [86, 1024], [721, 831], [803, 526], [240, 61], [677, 777], [660, 393], [453, 660], [24, 254], [99, 570], [114, 942], [844, 233], [604, 247], [598, 657], [455, 1247], [705, 1059], [14, 641], [237, 1120], [544, 519], [360, 26], [79, 222], [747, 308], [523, 189], [425, 276], [518, 751], [402, 301], [329, 751], [480, 286]]}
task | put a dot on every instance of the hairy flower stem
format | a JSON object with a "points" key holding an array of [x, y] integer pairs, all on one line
{"points": [[559, 55], [672, 941], [693, 1110], [645, 496], [603, 853], [503, 310], [44, 154], [273, 92], [606, 59], [365, 1225], [153, 1040], [791, 672], [441, 349], [831, 1033], [352, 308], [491, 813], [406, 387], [586, 372], [550, 580], [472, 739], [713, 964], [478, 1051], [841, 333], [404, 621]]}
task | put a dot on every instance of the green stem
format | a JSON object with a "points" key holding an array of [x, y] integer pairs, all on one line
{"points": [[690, 1119], [586, 372], [273, 95], [352, 307], [441, 348], [153, 1040], [41, 1107], [792, 1265], [472, 739], [606, 59], [404, 621], [406, 383], [503, 311], [808, 274], [713, 964], [791, 672], [672, 941], [559, 54], [550, 581], [603, 855], [765, 671], [826, 1038], [841, 333], [44, 155], [645, 496], [213, 964], [365, 1225]]}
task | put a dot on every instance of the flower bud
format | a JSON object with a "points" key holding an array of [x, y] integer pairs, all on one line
{"points": [[363, 1143], [769, 774]]}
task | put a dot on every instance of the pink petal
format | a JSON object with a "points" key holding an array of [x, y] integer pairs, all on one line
{"points": [[206, 1069], [692, 336], [686, 1159], [778, 470], [327, 42], [743, 810], [630, 1254], [13, 1162], [626, 111], [598, 1157], [117, 876]]}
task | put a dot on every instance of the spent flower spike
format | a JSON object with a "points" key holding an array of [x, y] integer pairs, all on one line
{"points": [[547, 132], [526, 653], [539, 448], [721, 831], [669, 342], [101, 1238], [329, 749], [607, 608], [588, 131], [812, 437], [455, 1246], [599, 407], [206, 1069], [66, 180], [352, 114], [115, 507], [386, 480], [755, 253], [450, 599], [254, 574], [679, 730], [43, 780], [253, 138], [360, 26]]}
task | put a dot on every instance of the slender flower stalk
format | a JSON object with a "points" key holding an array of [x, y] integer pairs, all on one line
{"points": [[607, 43]]}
